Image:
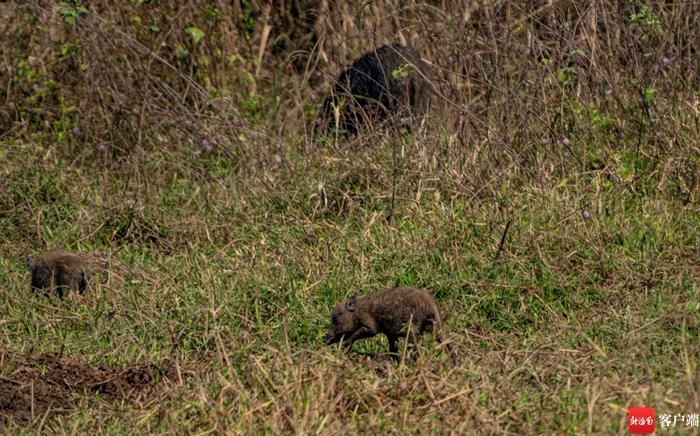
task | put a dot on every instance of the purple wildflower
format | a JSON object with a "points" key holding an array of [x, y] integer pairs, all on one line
{"points": [[585, 214], [565, 141], [75, 131], [206, 145], [278, 159], [665, 61]]}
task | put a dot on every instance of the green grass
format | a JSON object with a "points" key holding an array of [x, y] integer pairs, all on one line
{"points": [[238, 276]]}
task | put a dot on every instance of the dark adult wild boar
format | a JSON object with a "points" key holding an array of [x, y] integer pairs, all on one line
{"points": [[387, 311], [60, 271], [391, 82]]}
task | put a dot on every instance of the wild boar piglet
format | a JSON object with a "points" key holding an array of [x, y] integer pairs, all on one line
{"points": [[388, 311], [58, 270]]}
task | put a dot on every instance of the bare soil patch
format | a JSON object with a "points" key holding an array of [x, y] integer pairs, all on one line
{"points": [[34, 387]]}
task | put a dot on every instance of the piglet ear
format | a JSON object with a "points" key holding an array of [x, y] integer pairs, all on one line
{"points": [[31, 264], [350, 304]]}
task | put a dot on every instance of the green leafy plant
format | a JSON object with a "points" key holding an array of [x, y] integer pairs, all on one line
{"points": [[401, 72], [646, 20], [195, 33], [70, 13], [649, 94]]}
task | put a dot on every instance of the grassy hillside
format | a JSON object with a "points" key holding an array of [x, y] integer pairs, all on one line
{"points": [[552, 207]]}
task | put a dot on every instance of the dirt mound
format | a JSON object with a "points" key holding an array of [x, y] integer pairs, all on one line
{"points": [[31, 387]]}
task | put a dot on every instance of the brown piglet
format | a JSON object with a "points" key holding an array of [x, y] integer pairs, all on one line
{"points": [[388, 311], [60, 271]]}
